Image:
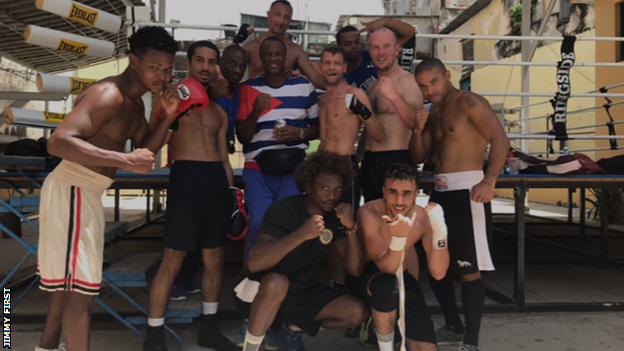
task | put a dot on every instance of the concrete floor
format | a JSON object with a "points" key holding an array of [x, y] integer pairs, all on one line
{"points": [[499, 332], [545, 283]]}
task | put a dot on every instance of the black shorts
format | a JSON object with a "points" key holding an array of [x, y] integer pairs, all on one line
{"points": [[467, 224], [300, 307], [374, 168], [418, 323], [353, 194], [199, 206]]}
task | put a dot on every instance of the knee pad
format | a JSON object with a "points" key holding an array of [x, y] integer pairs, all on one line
{"points": [[384, 294]]}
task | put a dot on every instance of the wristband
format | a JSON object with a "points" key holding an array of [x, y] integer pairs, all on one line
{"points": [[397, 243], [438, 227], [351, 231]]}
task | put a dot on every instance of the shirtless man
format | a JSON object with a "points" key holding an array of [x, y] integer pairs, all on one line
{"points": [[395, 98], [389, 228], [91, 141], [280, 16], [198, 207], [361, 71], [460, 126], [339, 128]]}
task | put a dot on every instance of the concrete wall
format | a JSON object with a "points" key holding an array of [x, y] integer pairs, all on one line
{"points": [[413, 7], [492, 20], [14, 77], [608, 11]]}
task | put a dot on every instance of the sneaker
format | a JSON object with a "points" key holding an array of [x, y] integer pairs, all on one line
{"points": [[240, 337], [210, 336], [288, 340], [178, 293], [155, 339], [270, 341], [61, 347], [367, 333], [192, 288], [446, 336], [352, 333], [466, 347]]}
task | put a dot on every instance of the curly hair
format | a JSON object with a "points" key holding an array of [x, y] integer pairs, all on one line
{"points": [[156, 38], [326, 162], [402, 172]]}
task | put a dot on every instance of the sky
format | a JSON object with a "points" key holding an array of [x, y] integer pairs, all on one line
{"points": [[217, 12]]}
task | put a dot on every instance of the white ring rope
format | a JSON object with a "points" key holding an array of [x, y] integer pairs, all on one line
{"points": [[528, 64], [580, 150], [579, 95], [548, 101], [585, 127], [511, 38], [512, 63], [578, 137], [575, 111], [418, 35]]}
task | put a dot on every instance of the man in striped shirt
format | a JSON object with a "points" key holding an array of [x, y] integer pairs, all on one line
{"points": [[276, 118]]}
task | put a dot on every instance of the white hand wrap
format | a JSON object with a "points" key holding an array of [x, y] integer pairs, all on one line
{"points": [[438, 225], [397, 243]]}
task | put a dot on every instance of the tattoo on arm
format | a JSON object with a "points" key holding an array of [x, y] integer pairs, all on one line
{"points": [[471, 103]]}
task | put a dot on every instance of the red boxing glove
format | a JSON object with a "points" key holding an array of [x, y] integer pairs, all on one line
{"points": [[192, 96], [240, 225]]}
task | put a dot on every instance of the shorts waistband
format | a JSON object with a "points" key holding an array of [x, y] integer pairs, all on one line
{"points": [[457, 180], [198, 163], [386, 153], [80, 176]]}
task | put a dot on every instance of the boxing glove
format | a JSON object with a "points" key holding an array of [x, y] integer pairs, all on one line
{"points": [[438, 226], [242, 34], [240, 225], [230, 143], [192, 96], [353, 104]]}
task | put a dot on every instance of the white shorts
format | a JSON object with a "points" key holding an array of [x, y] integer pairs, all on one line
{"points": [[71, 229]]}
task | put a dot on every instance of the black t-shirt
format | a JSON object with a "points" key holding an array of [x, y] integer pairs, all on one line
{"points": [[281, 219]]}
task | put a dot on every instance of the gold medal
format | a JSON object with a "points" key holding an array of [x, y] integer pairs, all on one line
{"points": [[327, 236]]}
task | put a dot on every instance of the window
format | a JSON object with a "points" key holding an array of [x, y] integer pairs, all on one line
{"points": [[467, 55]]}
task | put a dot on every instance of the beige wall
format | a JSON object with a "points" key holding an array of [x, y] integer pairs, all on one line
{"points": [[494, 20]]}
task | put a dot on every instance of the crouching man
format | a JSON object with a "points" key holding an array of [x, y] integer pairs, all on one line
{"points": [[389, 228], [277, 288]]}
